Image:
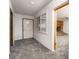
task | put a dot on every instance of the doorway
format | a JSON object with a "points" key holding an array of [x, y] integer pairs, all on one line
{"points": [[60, 28], [11, 28], [27, 28], [60, 14]]}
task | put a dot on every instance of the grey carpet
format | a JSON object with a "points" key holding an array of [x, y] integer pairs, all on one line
{"points": [[31, 49]]}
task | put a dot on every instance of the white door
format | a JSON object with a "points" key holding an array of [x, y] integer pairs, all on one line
{"points": [[28, 28]]}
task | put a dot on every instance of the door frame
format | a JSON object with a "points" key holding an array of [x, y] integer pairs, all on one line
{"points": [[55, 21], [11, 28], [23, 26]]}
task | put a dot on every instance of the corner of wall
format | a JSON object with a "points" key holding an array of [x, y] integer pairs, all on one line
{"points": [[10, 6]]}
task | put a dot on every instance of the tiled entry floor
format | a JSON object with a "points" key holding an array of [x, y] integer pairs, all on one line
{"points": [[31, 49]]}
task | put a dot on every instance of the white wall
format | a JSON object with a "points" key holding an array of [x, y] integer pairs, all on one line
{"points": [[17, 25], [48, 39], [63, 12], [66, 26]]}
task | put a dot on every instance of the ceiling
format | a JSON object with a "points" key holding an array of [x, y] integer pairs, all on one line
{"points": [[28, 7]]}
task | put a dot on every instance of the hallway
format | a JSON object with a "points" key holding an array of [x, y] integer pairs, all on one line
{"points": [[31, 49]]}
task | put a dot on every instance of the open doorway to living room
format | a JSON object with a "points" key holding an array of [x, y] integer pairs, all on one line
{"points": [[61, 31]]}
